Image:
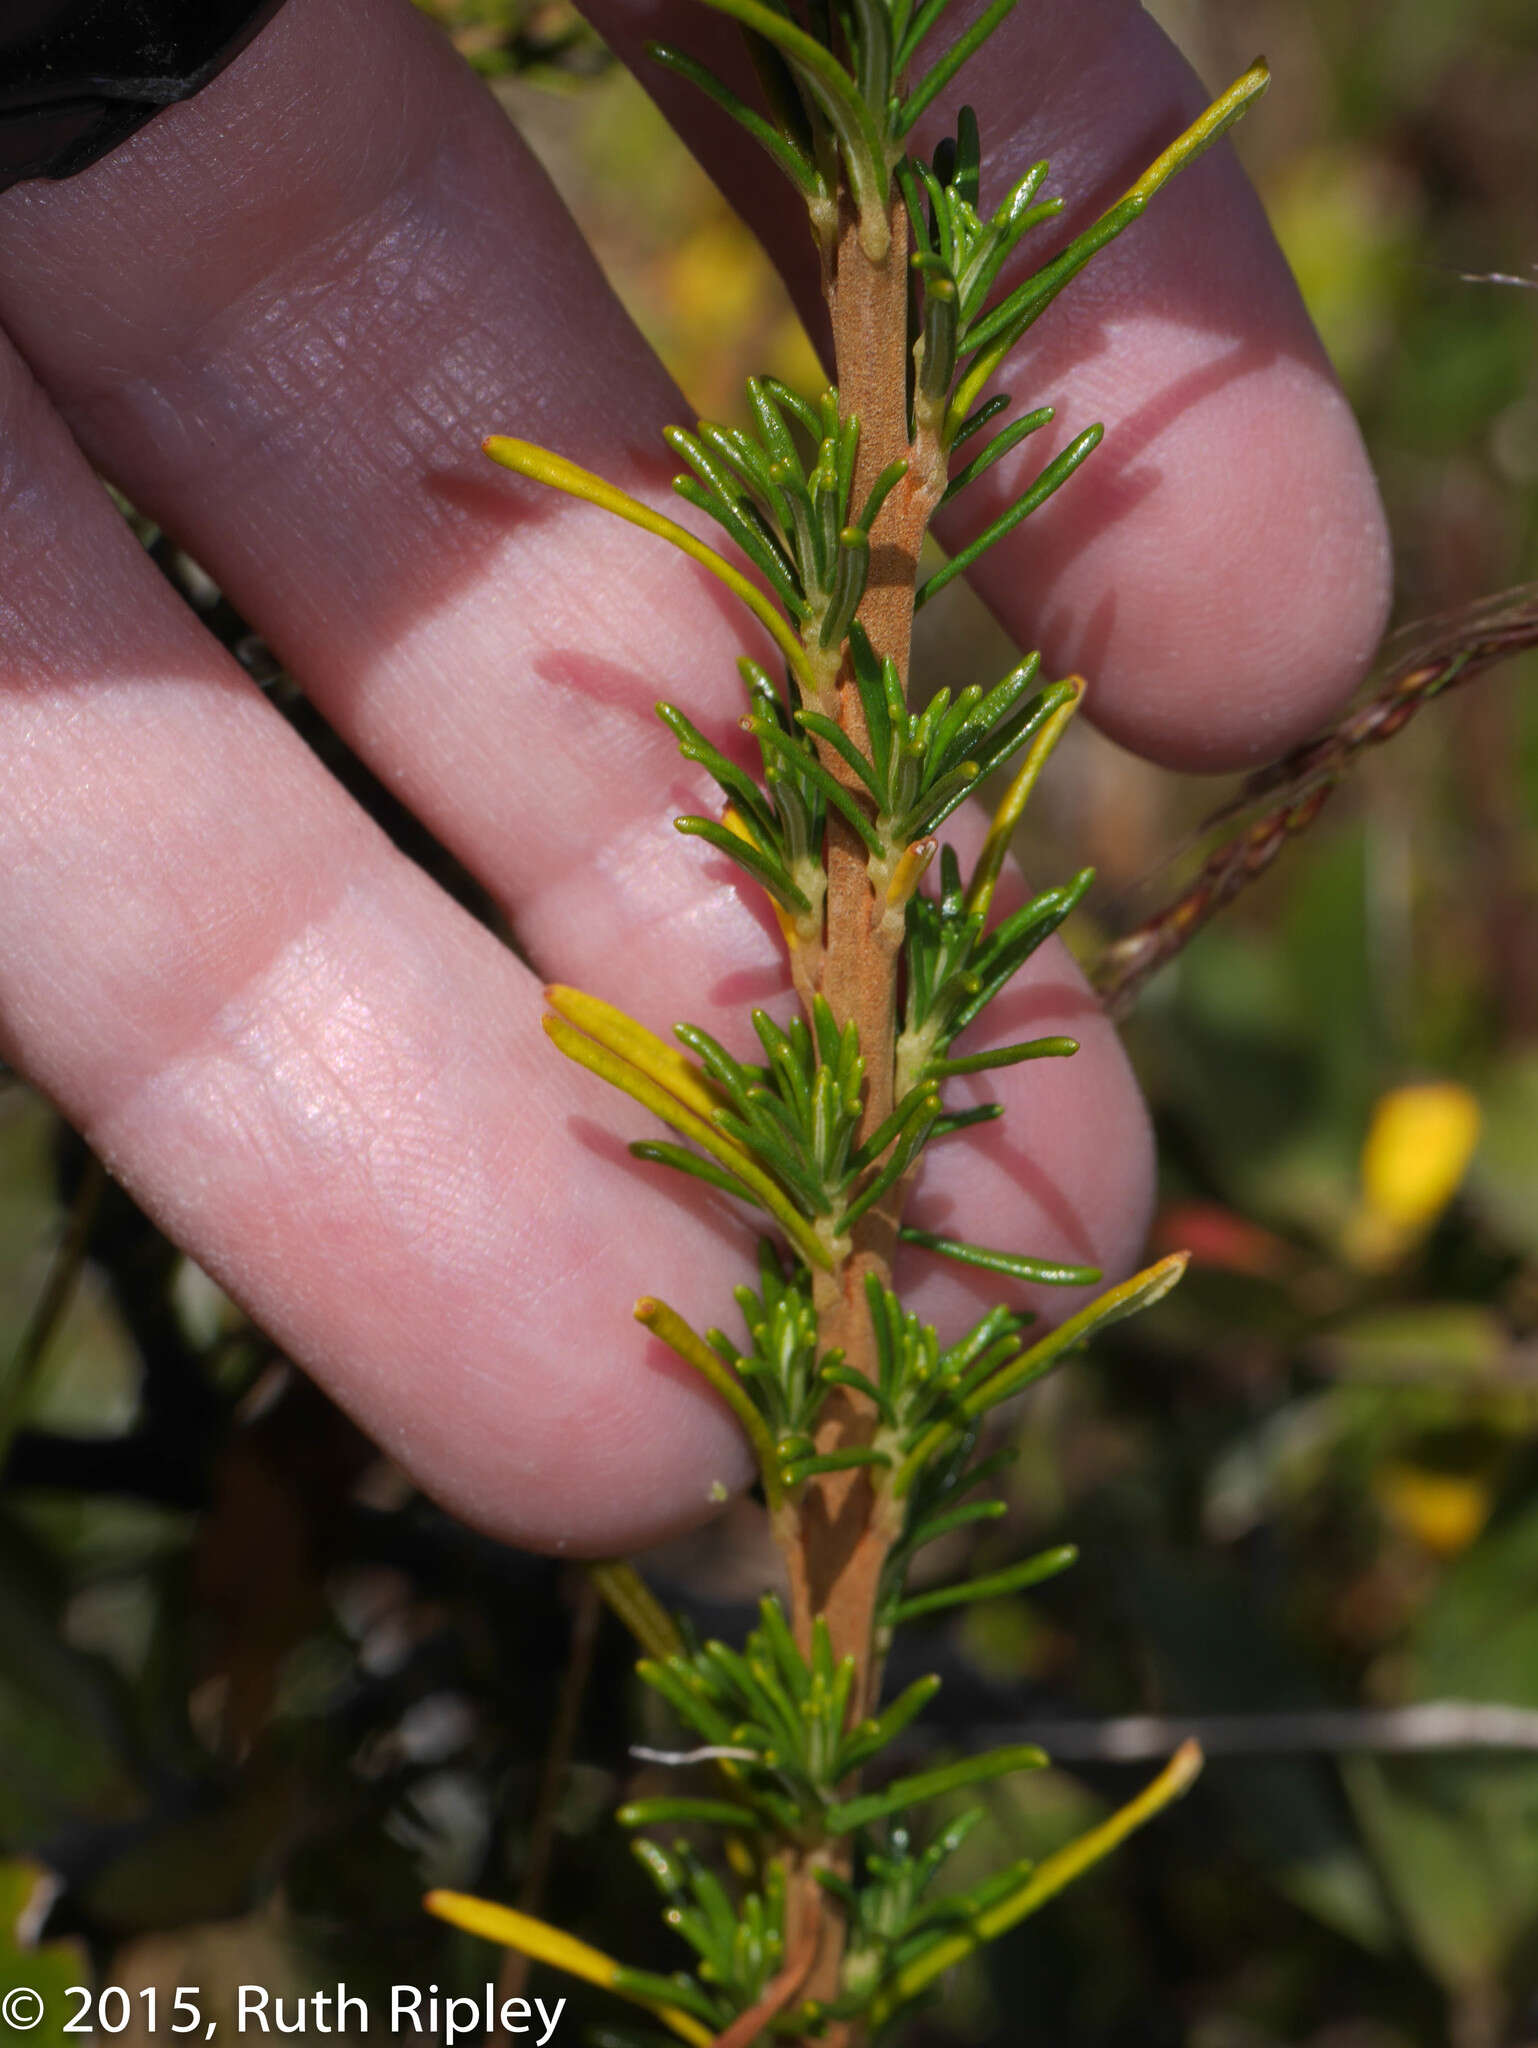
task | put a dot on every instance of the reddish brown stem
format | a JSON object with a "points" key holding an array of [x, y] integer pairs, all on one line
{"points": [[839, 1540]]}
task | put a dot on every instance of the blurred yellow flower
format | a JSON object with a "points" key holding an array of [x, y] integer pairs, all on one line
{"points": [[1419, 1145], [1444, 1511]]}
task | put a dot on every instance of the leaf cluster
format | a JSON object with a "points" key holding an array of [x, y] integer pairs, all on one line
{"points": [[788, 1127], [893, 1922], [772, 829], [920, 767], [782, 1722], [929, 1400], [793, 517], [835, 93], [957, 965], [738, 1934], [923, 764], [738, 1938], [776, 1724]]}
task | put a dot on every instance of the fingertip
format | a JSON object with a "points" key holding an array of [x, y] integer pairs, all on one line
{"points": [[1238, 620]]}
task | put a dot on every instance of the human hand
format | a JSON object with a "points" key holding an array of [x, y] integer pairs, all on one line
{"points": [[282, 318]]}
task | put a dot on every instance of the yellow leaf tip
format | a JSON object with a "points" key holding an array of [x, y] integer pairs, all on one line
{"points": [[1185, 1766], [444, 1904]]}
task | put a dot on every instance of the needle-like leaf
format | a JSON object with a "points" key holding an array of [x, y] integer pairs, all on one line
{"points": [[1047, 1879], [546, 1944], [545, 467], [974, 1770]]}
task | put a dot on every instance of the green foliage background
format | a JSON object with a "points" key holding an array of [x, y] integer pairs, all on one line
{"points": [[254, 1693]]}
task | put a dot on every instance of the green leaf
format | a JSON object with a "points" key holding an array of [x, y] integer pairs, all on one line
{"points": [[850, 569], [1049, 1878], [909, 38], [546, 467], [1141, 1291], [798, 167], [880, 491], [802, 1469], [719, 1813], [734, 781], [874, 1735], [904, 1792], [967, 1119], [976, 421], [940, 75], [954, 1518], [913, 1105], [1037, 1272], [916, 1127], [657, 1152], [996, 1586], [1004, 1056], [646, 1987], [1052, 478], [872, 39], [772, 737], [839, 99], [938, 363], [744, 524], [667, 1324], [764, 869], [998, 331], [826, 729], [999, 446], [619, 1073], [857, 1383]]}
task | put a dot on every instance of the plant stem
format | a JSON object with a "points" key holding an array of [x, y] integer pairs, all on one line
{"points": [[513, 1977], [836, 1559], [836, 1544]]}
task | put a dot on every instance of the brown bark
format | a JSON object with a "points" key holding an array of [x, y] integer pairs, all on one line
{"points": [[843, 1540], [845, 1526], [836, 1566]]}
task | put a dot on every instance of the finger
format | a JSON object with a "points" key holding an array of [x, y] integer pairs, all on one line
{"points": [[319, 1075], [324, 298], [330, 303], [283, 318], [1219, 569], [498, 673]]}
